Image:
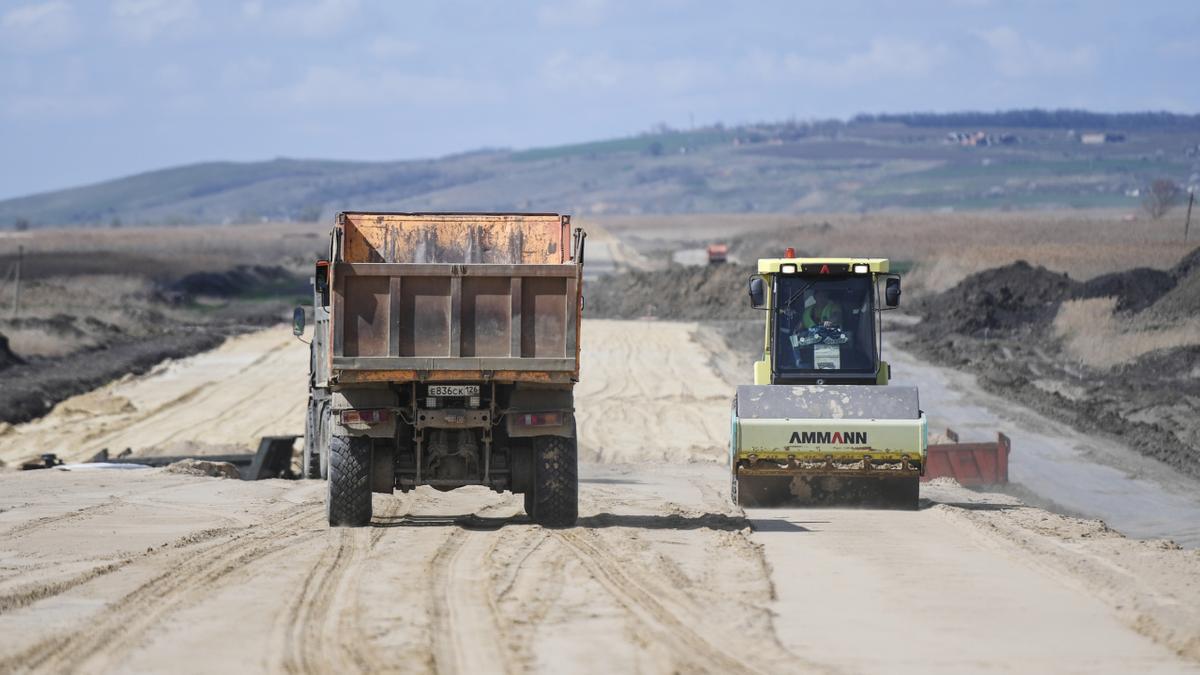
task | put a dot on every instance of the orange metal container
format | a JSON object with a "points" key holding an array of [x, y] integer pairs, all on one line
{"points": [[971, 464], [454, 296]]}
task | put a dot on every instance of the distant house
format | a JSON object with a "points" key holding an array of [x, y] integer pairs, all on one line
{"points": [[1100, 139], [973, 139]]}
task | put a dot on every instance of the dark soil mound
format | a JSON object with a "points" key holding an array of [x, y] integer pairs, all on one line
{"points": [[1002, 299], [241, 280], [60, 324], [31, 389], [1189, 264], [1134, 289], [683, 293], [1176, 366], [1182, 301], [44, 265], [7, 357]]}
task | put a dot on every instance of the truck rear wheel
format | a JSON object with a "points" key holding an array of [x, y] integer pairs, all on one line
{"points": [[555, 497], [348, 502]]}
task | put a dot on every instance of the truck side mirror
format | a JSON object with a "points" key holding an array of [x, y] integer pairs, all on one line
{"points": [[757, 293], [891, 292], [298, 321]]}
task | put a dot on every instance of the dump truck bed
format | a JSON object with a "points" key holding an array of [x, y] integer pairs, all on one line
{"points": [[444, 297]]}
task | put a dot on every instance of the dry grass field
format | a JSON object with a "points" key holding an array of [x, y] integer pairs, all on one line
{"points": [[942, 248], [164, 251]]}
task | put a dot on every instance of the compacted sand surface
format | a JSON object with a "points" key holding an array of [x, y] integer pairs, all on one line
{"points": [[149, 571]]}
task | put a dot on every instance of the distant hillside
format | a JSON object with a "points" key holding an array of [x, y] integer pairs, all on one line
{"points": [[1015, 159]]}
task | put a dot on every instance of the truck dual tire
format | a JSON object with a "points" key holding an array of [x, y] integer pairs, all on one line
{"points": [[555, 495], [348, 502]]}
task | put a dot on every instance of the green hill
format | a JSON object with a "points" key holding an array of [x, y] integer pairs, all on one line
{"points": [[868, 163]]}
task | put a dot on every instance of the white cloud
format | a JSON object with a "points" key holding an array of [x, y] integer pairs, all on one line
{"points": [[248, 72], [332, 87], [565, 70], [147, 20], [62, 106], [1180, 49], [315, 18], [577, 13], [391, 47], [599, 71], [40, 27], [171, 77], [1016, 56], [883, 58]]}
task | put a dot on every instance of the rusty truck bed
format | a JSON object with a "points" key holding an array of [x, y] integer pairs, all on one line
{"points": [[443, 297]]}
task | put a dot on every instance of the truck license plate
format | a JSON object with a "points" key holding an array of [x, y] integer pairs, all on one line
{"points": [[453, 390]]}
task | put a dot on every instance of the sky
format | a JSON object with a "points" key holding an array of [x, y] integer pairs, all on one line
{"points": [[93, 90]]}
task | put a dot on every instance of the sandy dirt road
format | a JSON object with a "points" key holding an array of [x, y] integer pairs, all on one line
{"points": [[149, 571]]}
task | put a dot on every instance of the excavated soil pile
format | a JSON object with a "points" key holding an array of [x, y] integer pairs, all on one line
{"points": [[1020, 296], [7, 357], [1134, 289], [997, 322], [711, 292], [202, 467], [241, 280], [31, 389], [1003, 298], [1183, 300]]}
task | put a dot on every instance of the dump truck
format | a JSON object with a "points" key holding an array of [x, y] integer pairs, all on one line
{"points": [[821, 425], [444, 353], [717, 253]]}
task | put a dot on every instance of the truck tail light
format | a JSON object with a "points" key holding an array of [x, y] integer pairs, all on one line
{"points": [[546, 419], [378, 416]]}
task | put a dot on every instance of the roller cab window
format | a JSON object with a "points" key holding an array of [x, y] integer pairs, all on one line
{"points": [[824, 324]]}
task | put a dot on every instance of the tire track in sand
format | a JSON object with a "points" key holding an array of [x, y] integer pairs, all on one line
{"points": [[121, 625], [468, 629], [700, 645], [321, 629], [27, 595]]}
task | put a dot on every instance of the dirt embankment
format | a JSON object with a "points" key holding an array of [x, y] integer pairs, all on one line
{"points": [[694, 293], [81, 326], [1119, 353], [7, 357], [31, 389]]}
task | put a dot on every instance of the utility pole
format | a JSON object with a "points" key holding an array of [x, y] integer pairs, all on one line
{"points": [[1187, 223], [17, 288]]}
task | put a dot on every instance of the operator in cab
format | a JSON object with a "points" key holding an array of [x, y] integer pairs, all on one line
{"points": [[820, 310]]}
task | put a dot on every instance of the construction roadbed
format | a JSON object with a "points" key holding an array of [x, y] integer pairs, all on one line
{"points": [[151, 571]]}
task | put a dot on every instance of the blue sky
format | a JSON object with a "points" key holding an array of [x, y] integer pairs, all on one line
{"points": [[95, 90]]}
